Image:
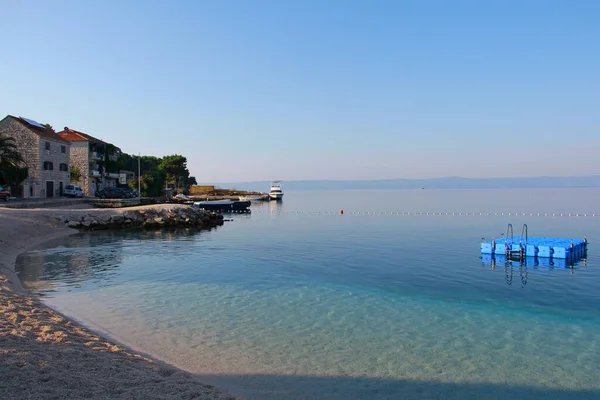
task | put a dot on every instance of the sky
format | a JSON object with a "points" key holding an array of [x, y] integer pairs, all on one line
{"points": [[316, 89]]}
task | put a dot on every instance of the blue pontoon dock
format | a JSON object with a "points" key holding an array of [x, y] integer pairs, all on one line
{"points": [[526, 246], [534, 262]]}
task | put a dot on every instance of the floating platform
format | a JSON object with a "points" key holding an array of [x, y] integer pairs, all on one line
{"points": [[543, 247], [546, 247], [223, 206], [534, 262]]}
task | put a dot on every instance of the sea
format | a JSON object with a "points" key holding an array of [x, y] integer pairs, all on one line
{"points": [[350, 294]]}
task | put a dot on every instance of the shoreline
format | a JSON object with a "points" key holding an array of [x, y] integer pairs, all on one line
{"points": [[45, 354]]}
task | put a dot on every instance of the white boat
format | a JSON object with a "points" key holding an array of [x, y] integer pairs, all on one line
{"points": [[276, 193], [222, 205], [250, 198]]}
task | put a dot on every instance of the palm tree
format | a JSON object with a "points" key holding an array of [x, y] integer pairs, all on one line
{"points": [[10, 160], [9, 154]]}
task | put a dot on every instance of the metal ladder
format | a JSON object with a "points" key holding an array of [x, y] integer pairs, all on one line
{"points": [[510, 253]]}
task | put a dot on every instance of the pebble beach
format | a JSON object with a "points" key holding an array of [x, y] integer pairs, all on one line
{"points": [[44, 355]]}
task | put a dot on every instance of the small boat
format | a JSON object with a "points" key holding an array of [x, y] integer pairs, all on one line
{"points": [[223, 205], [276, 193], [181, 198], [250, 198]]}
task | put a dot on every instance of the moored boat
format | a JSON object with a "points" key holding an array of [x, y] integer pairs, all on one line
{"points": [[276, 193], [223, 205], [250, 198]]}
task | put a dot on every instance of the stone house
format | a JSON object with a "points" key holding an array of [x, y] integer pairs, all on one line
{"points": [[92, 157], [46, 157]]}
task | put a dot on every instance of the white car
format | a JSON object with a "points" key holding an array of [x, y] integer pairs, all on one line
{"points": [[73, 191]]}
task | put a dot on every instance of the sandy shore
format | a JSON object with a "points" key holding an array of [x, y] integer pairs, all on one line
{"points": [[43, 355]]}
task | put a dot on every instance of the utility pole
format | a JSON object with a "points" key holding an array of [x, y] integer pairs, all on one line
{"points": [[139, 176]]}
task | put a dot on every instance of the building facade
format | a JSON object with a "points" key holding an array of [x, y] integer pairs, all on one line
{"points": [[46, 155], [126, 176], [93, 158]]}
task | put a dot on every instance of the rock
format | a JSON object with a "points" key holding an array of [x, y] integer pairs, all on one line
{"points": [[149, 218], [73, 224]]}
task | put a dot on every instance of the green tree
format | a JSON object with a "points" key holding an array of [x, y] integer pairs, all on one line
{"points": [[149, 162], [13, 176], [175, 168], [75, 173], [133, 183], [108, 164], [190, 181], [11, 161], [152, 182], [156, 171], [129, 162], [9, 154]]}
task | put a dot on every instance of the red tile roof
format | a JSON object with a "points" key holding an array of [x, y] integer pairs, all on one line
{"points": [[75, 136], [47, 133]]}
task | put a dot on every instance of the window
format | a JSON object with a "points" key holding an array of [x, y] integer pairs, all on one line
{"points": [[63, 167], [48, 166], [63, 149], [47, 145]]}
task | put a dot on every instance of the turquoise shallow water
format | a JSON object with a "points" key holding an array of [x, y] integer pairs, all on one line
{"points": [[298, 301]]}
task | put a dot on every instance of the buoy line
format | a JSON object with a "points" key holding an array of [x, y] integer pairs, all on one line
{"points": [[429, 213]]}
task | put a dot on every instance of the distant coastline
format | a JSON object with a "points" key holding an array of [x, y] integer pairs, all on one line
{"points": [[545, 182]]}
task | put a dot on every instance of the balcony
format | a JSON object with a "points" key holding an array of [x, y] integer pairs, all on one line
{"points": [[114, 175], [94, 172], [94, 155], [113, 157]]}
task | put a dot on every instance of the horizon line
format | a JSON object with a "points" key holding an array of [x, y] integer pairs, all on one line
{"points": [[418, 179]]}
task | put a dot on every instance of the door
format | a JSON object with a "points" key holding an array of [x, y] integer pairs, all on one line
{"points": [[60, 189], [49, 188]]}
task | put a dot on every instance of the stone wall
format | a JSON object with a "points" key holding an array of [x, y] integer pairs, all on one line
{"points": [[80, 152], [115, 203]]}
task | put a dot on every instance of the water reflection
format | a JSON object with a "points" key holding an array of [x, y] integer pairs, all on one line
{"points": [[520, 266], [522, 272], [272, 207], [93, 258]]}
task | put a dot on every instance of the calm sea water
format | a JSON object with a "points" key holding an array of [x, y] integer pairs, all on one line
{"points": [[296, 301]]}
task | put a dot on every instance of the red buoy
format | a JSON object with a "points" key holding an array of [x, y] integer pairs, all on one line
{"points": [[341, 211]]}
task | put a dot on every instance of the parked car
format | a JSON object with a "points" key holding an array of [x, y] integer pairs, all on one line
{"points": [[4, 194], [129, 192], [73, 191], [110, 193]]}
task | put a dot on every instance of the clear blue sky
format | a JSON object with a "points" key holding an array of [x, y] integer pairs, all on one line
{"points": [[261, 90]]}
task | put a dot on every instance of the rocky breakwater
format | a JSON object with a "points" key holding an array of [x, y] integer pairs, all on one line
{"points": [[142, 217]]}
